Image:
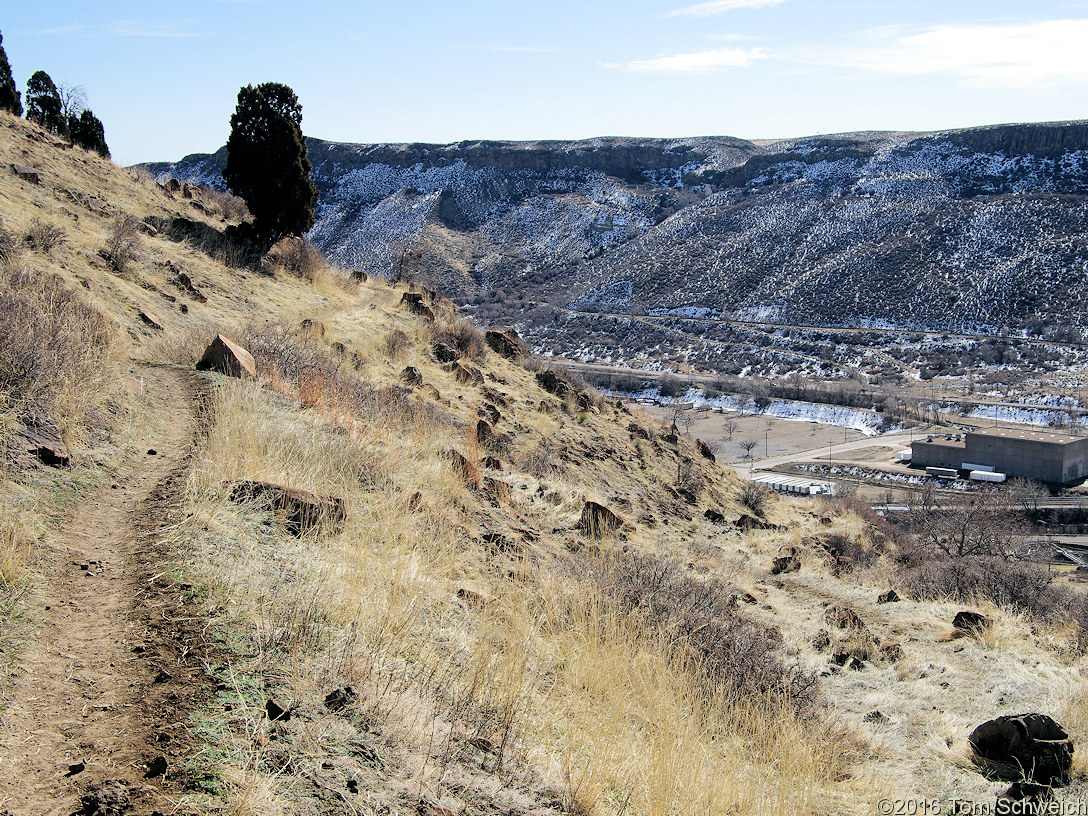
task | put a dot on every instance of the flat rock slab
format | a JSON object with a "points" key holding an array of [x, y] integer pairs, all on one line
{"points": [[304, 511]]}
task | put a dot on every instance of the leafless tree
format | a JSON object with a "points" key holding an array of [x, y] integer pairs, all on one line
{"points": [[747, 445], [730, 426], [968, 523], [73, 99]]}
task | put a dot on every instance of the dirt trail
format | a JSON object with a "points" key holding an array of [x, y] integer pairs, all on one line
{"points": [[117, 662]]}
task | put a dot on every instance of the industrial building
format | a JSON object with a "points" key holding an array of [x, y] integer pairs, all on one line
{"points": [[1056, 458]]}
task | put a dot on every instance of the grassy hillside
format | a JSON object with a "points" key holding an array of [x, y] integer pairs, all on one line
{"points": [[465, 633]]}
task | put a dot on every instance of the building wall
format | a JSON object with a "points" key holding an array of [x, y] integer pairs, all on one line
{"points": [[1032, 458], [937, 454]]}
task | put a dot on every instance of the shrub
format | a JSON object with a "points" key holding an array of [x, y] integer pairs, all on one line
{"points": [[395, 344], [1016, 585], [731, 653], [56, 360], [298, 257], [122, 243], [43, 236], [755, 497], [464, 336]]}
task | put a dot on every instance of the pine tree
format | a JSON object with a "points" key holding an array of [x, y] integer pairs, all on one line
{"points": [[86, 131], [9, 95], [267, 164], [43, 104]]}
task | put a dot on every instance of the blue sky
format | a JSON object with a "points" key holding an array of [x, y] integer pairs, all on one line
{"points": [[164, 76]]}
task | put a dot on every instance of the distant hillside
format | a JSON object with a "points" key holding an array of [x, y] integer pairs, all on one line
{"points": [[961, 230]]}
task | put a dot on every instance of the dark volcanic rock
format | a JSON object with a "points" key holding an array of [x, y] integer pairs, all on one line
{"points": [[597, 520], [303, 511], [1031, 747]]}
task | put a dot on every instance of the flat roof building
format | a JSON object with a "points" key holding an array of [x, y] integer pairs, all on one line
{"points": [[1044, 455]]}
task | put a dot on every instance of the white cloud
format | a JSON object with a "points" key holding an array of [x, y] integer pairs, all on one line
{"points": [[698, 62], [1031, 55], [720, 7]]}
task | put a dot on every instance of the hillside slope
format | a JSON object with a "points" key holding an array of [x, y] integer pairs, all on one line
{"points": [[510, 595], [980, 229]]}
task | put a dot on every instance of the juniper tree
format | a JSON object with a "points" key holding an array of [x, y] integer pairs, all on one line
{"points": [[43, 104], [9, 95], [86, 131], [267, 163]]}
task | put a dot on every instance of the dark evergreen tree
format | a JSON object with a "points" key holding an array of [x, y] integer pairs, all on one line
{"points": [[9, 95], [43, 104], [86, 131], [267, 164]]}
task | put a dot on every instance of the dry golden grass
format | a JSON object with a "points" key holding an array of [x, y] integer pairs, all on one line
{"points": [[448, 603]]}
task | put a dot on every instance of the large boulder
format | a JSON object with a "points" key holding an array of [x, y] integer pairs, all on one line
{"points": [[506, 343], [970, 623], [227, 357], [1023, 747], [302, 510], [413, 302], [596, 520]]}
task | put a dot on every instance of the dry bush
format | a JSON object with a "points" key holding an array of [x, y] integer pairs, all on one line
{"points": [[734, 655], [297, 257], [122, 242], [464, 336], [43, 236], [755, 497], [1016, 585], [541, 461], [231, 207], [9, 248], [395, 344], [57, 362]]}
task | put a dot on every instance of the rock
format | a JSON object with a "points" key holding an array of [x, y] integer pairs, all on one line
{"points": [[789, 561], [749, 598], [227, 357], [747, 522], [277, 711], [821, 640], [887, 597], [433, 393], [967, 622], [489, 412], [172, 185], [95, 204], [491, 462], [716, 516], [638, 431], [497, 488], [76, 768], [875, 717], [156, 767], [466, 374], [855, 664], [151, 319], [340, 698], [597, 520], [506, 344], [484, 431], [553, 383], [312, 327], [109, 798], [303, 511], [44, 443], [891, 650], [185, 283], [411, 376], [413, 302], [187, 190], [444, 353], [147, 229], [1023, 747], [705, 450], [27, 174], [1032, 794], [842, 617], [462, 467]]}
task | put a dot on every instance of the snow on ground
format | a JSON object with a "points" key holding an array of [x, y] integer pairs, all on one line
{"points": [[869, 423], [1024, 416]]}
